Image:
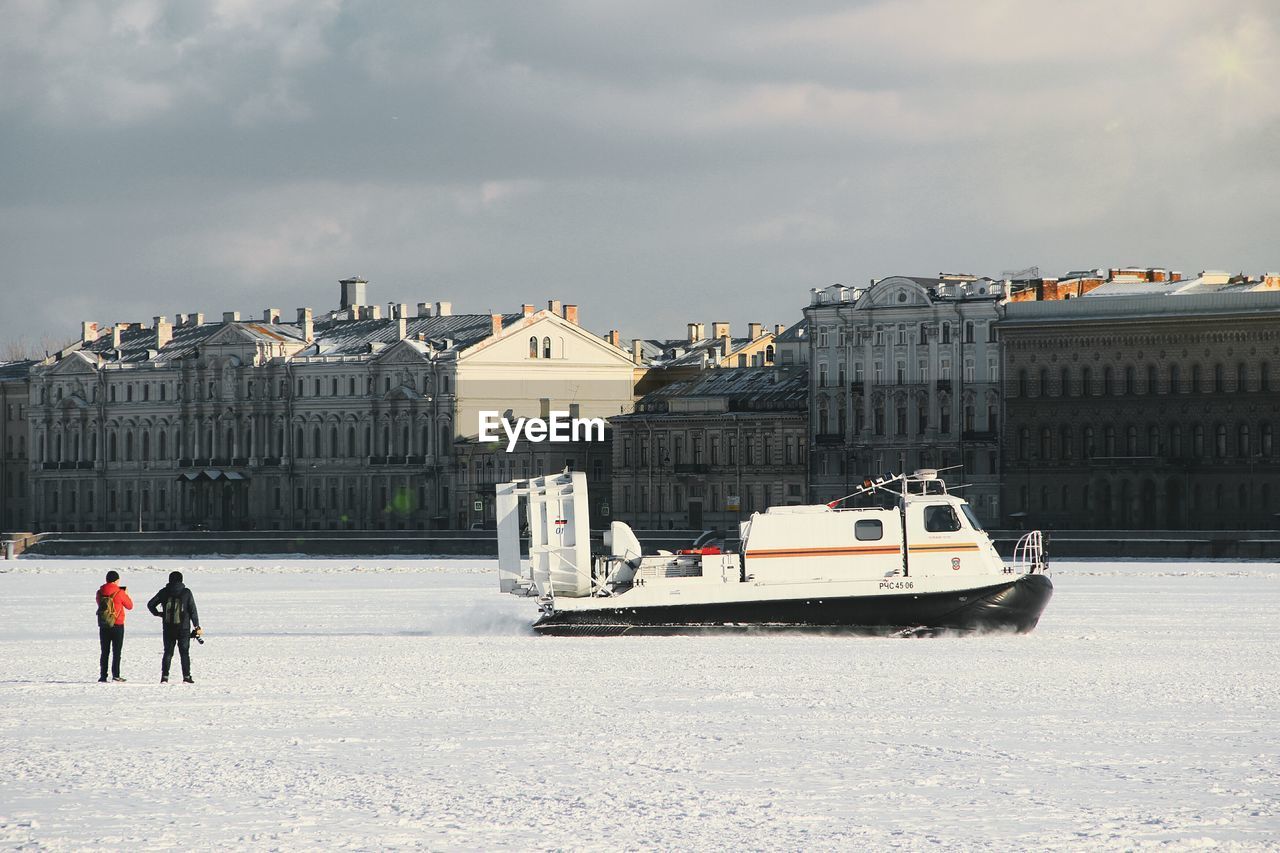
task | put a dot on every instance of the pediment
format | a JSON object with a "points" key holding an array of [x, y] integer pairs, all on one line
{"points": [[77, 363], [895, 293], [230, 335], [402, 352]]}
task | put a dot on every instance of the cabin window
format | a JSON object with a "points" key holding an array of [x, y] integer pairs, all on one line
{"points": [[940, 519], [977, 525], [869, 530]]}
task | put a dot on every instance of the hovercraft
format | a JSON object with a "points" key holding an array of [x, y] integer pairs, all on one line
{"points": [[915, 561]]}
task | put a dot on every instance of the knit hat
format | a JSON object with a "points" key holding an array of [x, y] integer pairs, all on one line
{"points": [[113, 576], [175, 577]]}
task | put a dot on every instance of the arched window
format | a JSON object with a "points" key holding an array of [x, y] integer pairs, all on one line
{"points": [[1219, 383], [386, 440], [768, 354], [1197, 440], [229, 449], [1175, 441], [1266, 438], [1242, 440], [1175, 379], [445, 440], [128, 447], [1024, 438], [546, 347], [1022, 383], [533, 346], [1195, 379], [1130, 380], [334, 447], [405, 447], [1151, 379], [1065, 441], [1153, 440], [1242, 377], [1220, 441], [163, 444], [1108, 386], [1264, 376], [352, 451], [111, 447], [298, 448], [1043, 390], [316, 448], [146, 445], [1109, 441], [1046, 443], [1086, 382], [426, 440], [1131, 441], [1087, 448]]}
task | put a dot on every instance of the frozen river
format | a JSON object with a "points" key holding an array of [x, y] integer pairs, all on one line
{"points": [[367, 704]]}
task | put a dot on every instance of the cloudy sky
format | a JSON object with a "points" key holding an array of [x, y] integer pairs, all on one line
{"points": [[655, 162]]}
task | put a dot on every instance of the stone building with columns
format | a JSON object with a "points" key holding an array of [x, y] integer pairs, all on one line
{"points": [[1144, 411], [904, 375], [344, 420]]}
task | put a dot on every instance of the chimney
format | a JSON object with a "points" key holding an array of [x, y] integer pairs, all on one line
{"points": [[720, 330], [615, 338], [695, 332], [180, 320], [353, 292], [636, 355], [444, 309], [231, 316], [495, 324], [164, 331], [88, 331], [755, 330], [117, 332], [402, 326], [197, 319], [424, 309], [271, 316], [526, 310], [375, 312], [306, 324], [553, 305], [402, 310], [778, 328], [571, 314]]}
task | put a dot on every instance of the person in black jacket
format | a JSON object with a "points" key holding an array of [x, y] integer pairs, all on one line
{"points": [[177, 607]]}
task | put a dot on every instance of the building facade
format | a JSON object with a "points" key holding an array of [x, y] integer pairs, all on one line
{"points": [[904, 374], [15, 395], [349, 420], [704, 453], [1153, 412]]}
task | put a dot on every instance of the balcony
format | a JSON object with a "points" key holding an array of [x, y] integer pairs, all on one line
{"points": [[989, 435], [943, 384], [692, 468], [828, 438], [271, 462]]}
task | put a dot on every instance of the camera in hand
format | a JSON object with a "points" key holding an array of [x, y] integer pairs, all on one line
{"points": [[195, 635]]}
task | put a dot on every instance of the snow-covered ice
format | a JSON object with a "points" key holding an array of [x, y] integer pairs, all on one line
{"points": [[369, 704]]}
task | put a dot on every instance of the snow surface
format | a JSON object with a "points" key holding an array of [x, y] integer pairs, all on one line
{"points": [[368, 704]]}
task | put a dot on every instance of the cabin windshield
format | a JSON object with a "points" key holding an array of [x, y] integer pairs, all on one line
{"points": [[969, 514]]}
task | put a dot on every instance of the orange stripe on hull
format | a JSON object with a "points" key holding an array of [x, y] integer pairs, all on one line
{"points": [[857, 552]]}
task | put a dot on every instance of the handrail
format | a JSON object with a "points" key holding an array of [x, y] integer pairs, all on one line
{"points": [[1029, 555]]}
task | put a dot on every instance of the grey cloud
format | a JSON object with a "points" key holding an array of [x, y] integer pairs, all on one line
{"points": [[655, 162]]}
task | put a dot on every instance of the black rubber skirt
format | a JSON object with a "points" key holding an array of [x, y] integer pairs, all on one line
{"points": [[1013, 606]]}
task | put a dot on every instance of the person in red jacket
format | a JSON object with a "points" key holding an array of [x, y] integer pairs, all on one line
{"points": [[112, 600]]}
